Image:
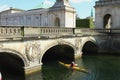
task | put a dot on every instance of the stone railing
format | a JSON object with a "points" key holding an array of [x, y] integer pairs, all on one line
{"points": [[107, 31], [101, 30], [25, 32], [82, 31], [87, 31], [45, 31], [10, 32]]}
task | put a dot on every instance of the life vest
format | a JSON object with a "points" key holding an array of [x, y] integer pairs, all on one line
{"points": [[72, 64]]}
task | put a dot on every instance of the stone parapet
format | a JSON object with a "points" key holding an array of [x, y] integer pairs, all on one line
{"points": [[12, 32]]}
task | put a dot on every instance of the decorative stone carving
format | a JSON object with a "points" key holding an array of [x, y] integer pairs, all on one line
{"points": [[60, 41], [32, 51], [77, 43]]}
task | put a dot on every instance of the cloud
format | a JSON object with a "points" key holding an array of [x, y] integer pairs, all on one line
{"points": [[4, 7], [79, 1], [46, 2]]}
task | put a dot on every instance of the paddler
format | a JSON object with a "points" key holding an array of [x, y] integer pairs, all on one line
{"points": [[73, 64]]}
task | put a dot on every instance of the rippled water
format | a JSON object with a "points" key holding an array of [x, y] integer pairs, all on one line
{"points": [[99, 67], [102, 67]]}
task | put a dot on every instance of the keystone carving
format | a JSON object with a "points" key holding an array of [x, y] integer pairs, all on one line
{"points": [[32, 51], [60, 41]]}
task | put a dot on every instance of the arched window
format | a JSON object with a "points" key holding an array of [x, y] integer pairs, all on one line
{"points": [[107, 22], [57, 22]]}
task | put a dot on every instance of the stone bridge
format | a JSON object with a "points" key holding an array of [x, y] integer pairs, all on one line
{"points": [[31, 47]]}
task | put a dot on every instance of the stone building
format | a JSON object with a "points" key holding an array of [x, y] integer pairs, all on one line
{"points": [[107, 14], [61, 14]]}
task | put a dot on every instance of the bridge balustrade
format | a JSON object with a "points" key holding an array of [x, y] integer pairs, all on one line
{"points": [[46, 31], [108, 31], [88, 31], [82, 31], [102, 30], [117, 31], [10, 32], [24, 32]]}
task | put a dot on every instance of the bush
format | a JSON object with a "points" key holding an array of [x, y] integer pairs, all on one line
{"points": [[85, 23]]}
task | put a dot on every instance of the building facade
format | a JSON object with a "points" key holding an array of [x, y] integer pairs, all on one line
{"points": [[61, 14], [107, 14]]}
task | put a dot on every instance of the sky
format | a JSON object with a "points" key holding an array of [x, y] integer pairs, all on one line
{"points": [[83, 7]]}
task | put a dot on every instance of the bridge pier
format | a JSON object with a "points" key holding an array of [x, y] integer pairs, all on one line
{"points": [[34, 67], [78, 53]]}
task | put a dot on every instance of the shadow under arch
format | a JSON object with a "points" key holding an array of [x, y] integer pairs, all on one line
{"points": [[90, 47], [58, 52], [11, 65], [10, 51], [52, 45]]}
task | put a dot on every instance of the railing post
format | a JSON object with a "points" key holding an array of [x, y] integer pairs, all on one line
{"points": [[22, 31]]}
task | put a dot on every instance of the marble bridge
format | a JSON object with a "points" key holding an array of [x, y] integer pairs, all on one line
{"points": [[30, 47]]}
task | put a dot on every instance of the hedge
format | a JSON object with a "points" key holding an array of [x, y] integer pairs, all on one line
{"points": [[85, 23]]}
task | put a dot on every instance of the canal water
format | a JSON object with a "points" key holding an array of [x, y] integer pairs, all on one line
{"points": [[99, 67]]}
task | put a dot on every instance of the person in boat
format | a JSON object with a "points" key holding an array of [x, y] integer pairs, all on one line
{"points": [[73, 64]]}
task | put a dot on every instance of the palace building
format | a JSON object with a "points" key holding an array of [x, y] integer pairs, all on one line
{"points": [[61, 14], [107, 14]]}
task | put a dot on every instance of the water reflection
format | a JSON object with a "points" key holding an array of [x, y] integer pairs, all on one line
{"points": [[52, 71], [103, 67], [100, 67], [55, 72], [35, 76]]}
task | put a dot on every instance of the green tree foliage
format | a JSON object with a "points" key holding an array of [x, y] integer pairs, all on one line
{"points": [[85, 23]]}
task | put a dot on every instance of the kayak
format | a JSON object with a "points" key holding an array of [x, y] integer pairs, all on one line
{"points": [[0, 76], [74, 67]]}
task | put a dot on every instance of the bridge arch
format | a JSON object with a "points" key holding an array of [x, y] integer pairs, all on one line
{"points": [[57, 45], [89, 46], [15, 53], [12, 62]]}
